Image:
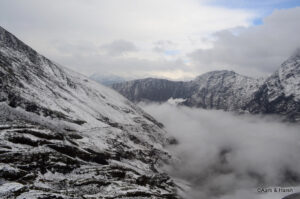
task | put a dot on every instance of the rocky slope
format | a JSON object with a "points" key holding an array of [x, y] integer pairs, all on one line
{"points": [[65, 136], [227, 90]]}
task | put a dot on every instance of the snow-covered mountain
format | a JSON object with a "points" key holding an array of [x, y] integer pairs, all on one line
{"points": [[221, 90], [217, 89], [227, 90], [65, 136]]}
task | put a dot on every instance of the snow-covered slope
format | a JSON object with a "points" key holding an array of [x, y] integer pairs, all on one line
{"points": [[65, 136]]}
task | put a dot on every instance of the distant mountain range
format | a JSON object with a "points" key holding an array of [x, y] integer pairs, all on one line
{"points": [[63, 136], [227, 90], [107, 79]]}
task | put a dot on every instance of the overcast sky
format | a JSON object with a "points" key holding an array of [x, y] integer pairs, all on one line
{"points": [[175, 39]]}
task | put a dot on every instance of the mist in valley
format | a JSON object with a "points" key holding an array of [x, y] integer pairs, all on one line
{"points": [[223, 155]]}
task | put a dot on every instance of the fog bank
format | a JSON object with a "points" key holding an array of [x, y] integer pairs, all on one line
{"points": [[228, 156]]}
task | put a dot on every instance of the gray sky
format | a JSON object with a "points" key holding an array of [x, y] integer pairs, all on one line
{"points": [[176, 39]]}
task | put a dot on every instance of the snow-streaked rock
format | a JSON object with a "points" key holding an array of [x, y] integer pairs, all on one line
{"points": [[7, 190]]}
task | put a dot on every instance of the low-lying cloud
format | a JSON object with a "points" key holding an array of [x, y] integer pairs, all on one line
{"points": [[228, 156]]}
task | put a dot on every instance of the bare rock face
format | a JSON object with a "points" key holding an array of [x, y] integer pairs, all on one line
{"points": [[65, 136], [278, 94]]}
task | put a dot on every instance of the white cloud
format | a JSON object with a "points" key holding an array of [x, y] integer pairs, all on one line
{"points": [[255, 50]]}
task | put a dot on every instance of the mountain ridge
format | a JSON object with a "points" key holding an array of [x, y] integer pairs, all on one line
{"points": [[227, 90]]}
